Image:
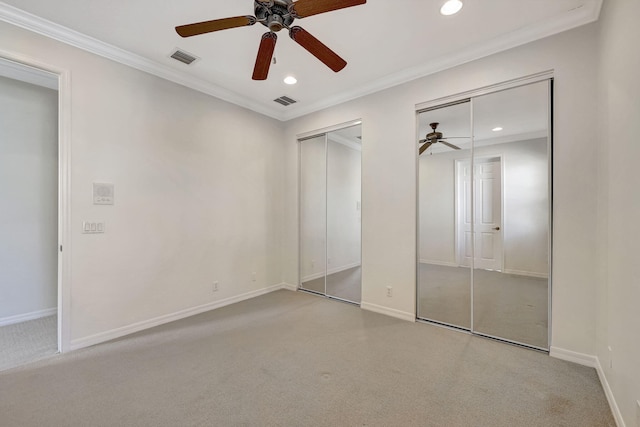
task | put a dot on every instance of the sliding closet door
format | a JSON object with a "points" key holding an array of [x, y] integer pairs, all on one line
{"points": [[444, 212], [512, 214], [343, 214], [313, 214]]}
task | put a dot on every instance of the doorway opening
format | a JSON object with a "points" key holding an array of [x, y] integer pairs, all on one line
{"points": [[33, 195]]}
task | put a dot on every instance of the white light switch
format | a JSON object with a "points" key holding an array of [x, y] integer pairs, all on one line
{"points": [[92, 227]]}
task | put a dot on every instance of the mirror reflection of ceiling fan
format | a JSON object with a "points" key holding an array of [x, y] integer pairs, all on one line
{"points": [[276, 15], [437, 137]]}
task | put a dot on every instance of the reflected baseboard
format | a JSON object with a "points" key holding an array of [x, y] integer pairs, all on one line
{"points": [[526, 273], [437, 262], [330, 271]]}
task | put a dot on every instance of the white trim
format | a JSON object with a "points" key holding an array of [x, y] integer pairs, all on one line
{"points": [[160, 320], [526, 273], [26, 20], [332, 271], [443, 263], [617, 415], [398, 314], [573, 356], [583, 15], [586, 14], [289, 287], [509, 84], [27, 74], [19, 318], [64, 187], [320, 132]]}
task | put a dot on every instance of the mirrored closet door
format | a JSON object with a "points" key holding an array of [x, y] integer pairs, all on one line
{"points": [[330, 214], [484, 214]]}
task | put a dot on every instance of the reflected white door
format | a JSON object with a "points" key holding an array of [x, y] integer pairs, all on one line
{"points": [[487, 218], [488, 214]]}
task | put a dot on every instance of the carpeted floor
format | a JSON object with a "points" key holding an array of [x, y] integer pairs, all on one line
{"points": [[345, 285], [25, 342], [294, 359], [505, 305]]}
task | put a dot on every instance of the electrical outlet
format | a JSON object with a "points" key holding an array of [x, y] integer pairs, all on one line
{"points": [[214, 288], [389, 291], [253, 276]]}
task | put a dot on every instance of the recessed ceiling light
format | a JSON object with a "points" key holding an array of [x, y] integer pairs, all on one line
{"points": [[451, 7], [290, 80], [497, 129]]}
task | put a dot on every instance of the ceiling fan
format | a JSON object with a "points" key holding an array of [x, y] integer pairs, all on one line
{"points": [[435, 137], [276, 15]]}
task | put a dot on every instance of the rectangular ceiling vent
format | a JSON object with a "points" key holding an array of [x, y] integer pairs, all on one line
{"points": [[184, 57], [285, 100]]}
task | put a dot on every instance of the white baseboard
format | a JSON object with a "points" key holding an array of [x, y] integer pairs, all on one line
{"points": [[592, 362], [289, 286], [575, 357], [398, 314], [617, 415], [160, 320], [526, 273], [19, 318], [434, 262], [330, 271]]}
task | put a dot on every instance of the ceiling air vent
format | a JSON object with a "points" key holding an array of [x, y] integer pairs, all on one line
{"points": [[184, 57], [285, 100]]}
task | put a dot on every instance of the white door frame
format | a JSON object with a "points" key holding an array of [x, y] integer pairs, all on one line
{"points": [[64, 189]]}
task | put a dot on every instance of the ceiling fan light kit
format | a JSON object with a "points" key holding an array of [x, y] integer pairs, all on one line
{"points": [[451, 7], [277, 15]]}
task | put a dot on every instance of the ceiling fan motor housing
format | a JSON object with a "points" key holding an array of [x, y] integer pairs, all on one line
{"points": [[275, 16]]}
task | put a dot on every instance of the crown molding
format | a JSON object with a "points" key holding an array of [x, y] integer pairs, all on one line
{"points": [[28, 21], [586, 14], [583, 15]]}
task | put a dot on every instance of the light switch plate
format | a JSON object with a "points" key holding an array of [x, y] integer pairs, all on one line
{"points": [[102, 193], [92, 227]]}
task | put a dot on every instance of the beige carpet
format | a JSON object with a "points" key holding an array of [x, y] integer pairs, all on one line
{"points": [[506, 306], [294, 359], [28, 341], [346, 285]]}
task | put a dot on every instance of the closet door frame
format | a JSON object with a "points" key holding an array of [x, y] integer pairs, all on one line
{"points": [[544, 76], [323, 132]]}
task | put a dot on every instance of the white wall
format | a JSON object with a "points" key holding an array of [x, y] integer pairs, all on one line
{"points": [[389, 178], [526, 208], [29, 199], [619, 207], [197, 192]]}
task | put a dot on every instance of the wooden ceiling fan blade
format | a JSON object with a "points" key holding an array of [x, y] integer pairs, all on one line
{"points": [[317, 48], [304, 8], [424, 147], [265, 53], [422, 141], [455, 147], [215, 25]]}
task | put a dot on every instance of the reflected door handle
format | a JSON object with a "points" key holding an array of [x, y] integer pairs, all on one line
{"points": [[496, 228]]}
